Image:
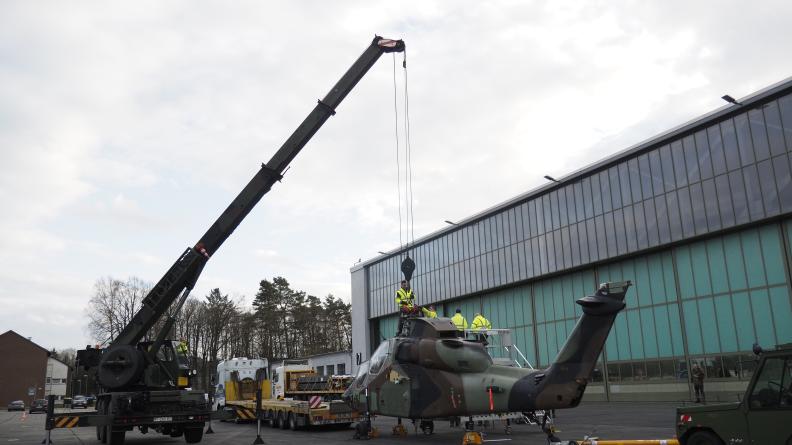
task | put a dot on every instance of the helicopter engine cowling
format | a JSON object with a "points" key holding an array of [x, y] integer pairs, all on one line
{"points": [[452, 355]]}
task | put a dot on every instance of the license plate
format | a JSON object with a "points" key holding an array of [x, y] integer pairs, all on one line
{"points": [[163, 419]]}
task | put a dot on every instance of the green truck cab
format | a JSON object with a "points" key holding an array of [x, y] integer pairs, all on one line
{"points": [[764, 416]]}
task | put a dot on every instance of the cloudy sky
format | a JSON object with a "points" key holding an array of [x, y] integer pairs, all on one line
{"points": [[126, 128]]}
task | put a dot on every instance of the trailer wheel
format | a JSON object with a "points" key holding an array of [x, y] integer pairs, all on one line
{"points": [[292, 422], [282, 420], [193, 434], [271, 418], [116, 437]]}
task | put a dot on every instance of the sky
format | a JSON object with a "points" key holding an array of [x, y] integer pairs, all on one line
{"points": [[127, 127]]}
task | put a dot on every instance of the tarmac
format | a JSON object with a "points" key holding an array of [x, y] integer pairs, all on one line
{"points": [[616, 420]]}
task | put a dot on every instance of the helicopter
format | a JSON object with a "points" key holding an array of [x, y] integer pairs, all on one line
{"points": [[428, 372]]}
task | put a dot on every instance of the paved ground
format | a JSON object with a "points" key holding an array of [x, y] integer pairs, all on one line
{"points": [[608, 421]]}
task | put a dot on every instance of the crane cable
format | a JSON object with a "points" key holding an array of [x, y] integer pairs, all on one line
{"points": [[398, 164], [408, 265]]}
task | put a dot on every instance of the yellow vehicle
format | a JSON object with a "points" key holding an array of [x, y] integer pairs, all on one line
{"points": [[295, 398]]}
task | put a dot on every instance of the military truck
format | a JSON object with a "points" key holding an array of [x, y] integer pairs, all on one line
{"points": [[763, 416]]}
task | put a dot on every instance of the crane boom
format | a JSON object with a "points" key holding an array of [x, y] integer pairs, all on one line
{"points": [[183, 274]]}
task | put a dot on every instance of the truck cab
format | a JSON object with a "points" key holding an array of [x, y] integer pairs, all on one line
{"points": [[763, 416]]}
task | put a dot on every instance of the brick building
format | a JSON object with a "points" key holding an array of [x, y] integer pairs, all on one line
{"points": [[24, 366]]}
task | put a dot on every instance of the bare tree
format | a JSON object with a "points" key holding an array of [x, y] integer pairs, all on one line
{"points": [[113, 305]]}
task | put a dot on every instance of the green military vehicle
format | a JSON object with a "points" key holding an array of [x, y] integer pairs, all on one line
{"points": [[764, 416]]}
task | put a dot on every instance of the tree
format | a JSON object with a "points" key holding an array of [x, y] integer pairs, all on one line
{"points": [[113, 305]]}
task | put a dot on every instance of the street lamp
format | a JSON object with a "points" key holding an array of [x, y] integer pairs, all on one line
{"points": [[450, 222], [730, 99], [550, 178]]}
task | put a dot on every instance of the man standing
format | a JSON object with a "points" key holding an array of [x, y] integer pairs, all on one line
{"points": [[405, 299], [480, 322], [698, 382], [459, 320]]}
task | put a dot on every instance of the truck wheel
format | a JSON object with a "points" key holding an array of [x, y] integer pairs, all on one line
{"points": [[116, 437], [703, 438], [276, 421], [292, 422], [282, 420], [193, 435]]}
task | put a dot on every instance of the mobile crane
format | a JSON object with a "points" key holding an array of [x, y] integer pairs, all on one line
{"points": [[146, 384]]}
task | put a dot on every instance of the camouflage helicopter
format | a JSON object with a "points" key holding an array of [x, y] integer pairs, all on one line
{"points": [[428, 372]]}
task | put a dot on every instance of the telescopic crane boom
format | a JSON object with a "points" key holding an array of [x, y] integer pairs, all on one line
{"points": [[146, 384], [181, 277]]}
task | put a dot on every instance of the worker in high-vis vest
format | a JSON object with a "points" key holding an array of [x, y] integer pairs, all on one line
{"points": [[459, 320], [480, 322], [405, 299], [430, 312]]}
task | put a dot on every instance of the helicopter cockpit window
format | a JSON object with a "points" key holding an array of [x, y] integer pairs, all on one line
{"points": [[362, 372], [379, 356]]}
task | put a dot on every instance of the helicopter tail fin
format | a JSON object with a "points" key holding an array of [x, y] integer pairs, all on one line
{"points": [[563, 383]]}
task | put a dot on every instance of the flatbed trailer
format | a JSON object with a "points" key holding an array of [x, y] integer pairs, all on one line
{"points": [[295, 414]]}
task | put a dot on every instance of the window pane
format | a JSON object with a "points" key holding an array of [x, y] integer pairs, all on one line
{"points": [[704, 161], [785, 105], [738, 197], [615, 190], [579, 204], [629, 228], [724, 200], [668, 167], [591, 236], [678, 155], [587, 199], [584, 243], [570, 198], [551, 252], [646, 224], [730, 145], [686, 212], [562, 207], [661, 211], [646, 175], [744, 139], [699, 212], [783, 181], [768, 185], [566, 247], [596, 194], [691, 159], [657, 171], [753, 193], [554, 219], [716, 150], [759, 134], [532, 226], [624, 183], [540, 219], [519, 225], [775, 131], [610, 234], [711, 204], [673, 216], [635, 179], [618, 223], [574, 245]]}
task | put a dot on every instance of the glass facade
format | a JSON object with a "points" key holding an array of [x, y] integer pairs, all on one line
{"points": [[725, 174], [700, 221]]}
